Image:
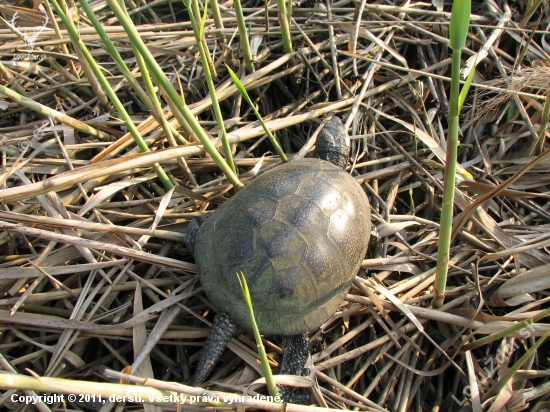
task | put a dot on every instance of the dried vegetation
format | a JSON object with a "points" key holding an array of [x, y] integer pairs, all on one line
{"points": [[94, 272]]}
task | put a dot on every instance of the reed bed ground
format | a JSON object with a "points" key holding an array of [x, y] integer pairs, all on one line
{"points": [[99, 293]]}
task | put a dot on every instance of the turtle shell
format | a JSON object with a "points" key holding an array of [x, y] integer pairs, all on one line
{"points": [[299, 233]]}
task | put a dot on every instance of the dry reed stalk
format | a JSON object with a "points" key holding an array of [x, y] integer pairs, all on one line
{"points": [[84, 207]]}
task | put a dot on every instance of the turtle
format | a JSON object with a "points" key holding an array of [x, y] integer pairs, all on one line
{"points": [[299, 233]]}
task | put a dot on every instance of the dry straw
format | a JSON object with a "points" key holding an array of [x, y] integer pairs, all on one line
{"points": [[94, 269]]}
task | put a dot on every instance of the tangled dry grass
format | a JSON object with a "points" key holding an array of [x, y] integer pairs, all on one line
{"points": [[95, 276]]}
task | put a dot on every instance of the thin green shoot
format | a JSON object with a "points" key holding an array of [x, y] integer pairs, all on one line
{"points": [[168, 88], [458, 32], [271, 387], [218, 21], [243, 91], [106, 86], [509, 374], [150, 101], [71, 66], [285, 18], [203, 20], [210, 81], [156, 109], [243, 34], [289, 10], [284, 21], [197, 13], [111, 49], [465, 88], [88, 71], [516, 327]]}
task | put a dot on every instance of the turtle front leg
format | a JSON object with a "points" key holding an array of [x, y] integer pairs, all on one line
{"points": [[222, 330], [295, 354]]}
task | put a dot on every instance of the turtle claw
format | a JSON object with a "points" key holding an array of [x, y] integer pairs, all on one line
{"points": [[291, 394]]}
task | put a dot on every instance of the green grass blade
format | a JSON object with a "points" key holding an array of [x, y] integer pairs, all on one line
{"points": [[460, 22], [239, 85], [218, 21], [505, 332], [180, 106], [89, 73], [289, 8], [458, 32], [270, 136], [284, 21], [243, 34], [111, 94], [203, 20], [465, 88], [271, 387], [54, 114], [114, 52], [211, 87], [509, 374], [149, 100]]}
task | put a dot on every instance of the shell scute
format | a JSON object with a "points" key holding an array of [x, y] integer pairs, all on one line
{"points": [[324, 193], [275, 239], [304, 215], [325, 259], [240, 248], [293, 286]]}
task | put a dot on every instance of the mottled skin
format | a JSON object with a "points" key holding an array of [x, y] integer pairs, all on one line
{"points": [[295, 354], [333, 143], [299, 234]]}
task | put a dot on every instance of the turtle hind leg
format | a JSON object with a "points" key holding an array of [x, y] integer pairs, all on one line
{"points": [[223, 329], [295, 354]]}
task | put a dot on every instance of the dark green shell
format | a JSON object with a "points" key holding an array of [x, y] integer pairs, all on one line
{"points": [[299, 234]]}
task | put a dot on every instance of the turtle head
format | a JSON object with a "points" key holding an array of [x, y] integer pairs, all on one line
{"points": [[333, 143]]}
